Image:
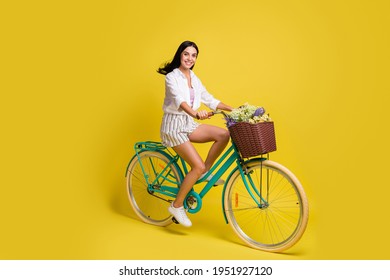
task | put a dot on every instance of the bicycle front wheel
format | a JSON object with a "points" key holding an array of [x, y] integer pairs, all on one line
{"points": [[270, 212], [151, 206]]}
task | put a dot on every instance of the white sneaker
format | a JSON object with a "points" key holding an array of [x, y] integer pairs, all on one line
{"points": [[208, 179], [180, 215]]}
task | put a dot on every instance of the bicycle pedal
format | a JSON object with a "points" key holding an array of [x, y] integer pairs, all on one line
{"points": [[174, 220]]}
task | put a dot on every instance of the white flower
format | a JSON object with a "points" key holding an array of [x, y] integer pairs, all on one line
{"points": [[246, 113]]}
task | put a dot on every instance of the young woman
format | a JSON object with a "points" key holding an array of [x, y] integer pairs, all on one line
{"points": [[184, 94]]}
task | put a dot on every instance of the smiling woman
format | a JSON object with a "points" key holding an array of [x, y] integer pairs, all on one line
{"points": [[184, 93]]}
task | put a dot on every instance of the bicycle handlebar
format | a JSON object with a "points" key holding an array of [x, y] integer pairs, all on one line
{"points": [[212, 113]]}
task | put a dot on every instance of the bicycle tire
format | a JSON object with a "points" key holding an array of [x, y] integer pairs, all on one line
{"points": [[282, 219], [150, 207]]}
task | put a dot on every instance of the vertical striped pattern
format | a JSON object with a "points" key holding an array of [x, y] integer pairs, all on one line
{"points": [[176, 128]]}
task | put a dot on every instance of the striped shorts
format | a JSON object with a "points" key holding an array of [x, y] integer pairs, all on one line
{"points": [[176, 128]]}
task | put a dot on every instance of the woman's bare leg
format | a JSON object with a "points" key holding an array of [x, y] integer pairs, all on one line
{"points": [[203, 133], [188, 152], [208, 133]]}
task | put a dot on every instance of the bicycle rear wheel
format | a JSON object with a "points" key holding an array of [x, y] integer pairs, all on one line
{"points": [[273, 215], [150, 206]]}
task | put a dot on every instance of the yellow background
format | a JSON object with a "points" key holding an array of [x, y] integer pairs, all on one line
{"points": [[79, 88]]}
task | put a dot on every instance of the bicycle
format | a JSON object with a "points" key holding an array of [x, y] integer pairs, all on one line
{"points": [[263, 201]]}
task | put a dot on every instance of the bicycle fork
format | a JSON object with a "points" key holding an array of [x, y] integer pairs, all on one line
{"points": [[257, 193]]}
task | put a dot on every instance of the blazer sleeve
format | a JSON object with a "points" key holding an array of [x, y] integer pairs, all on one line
{"points": [[173, 91], [206, 98]]}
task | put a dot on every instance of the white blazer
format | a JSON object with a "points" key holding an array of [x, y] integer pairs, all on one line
{"points": [[177, 91]]}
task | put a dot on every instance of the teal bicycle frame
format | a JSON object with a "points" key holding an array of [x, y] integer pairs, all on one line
{"points": [[225, 161]]}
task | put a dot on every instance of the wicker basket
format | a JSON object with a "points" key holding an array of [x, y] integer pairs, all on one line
{"points": [[253, 139]]}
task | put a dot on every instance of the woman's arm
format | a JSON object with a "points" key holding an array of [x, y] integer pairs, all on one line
{"points": [[201, 114], [186, 108], [223, 106], [209, 100]]}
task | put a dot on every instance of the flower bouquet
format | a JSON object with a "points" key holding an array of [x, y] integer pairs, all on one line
{"points": [[252, 130]]}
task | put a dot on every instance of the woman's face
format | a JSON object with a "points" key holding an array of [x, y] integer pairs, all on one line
{"points": [[188, 58]]}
